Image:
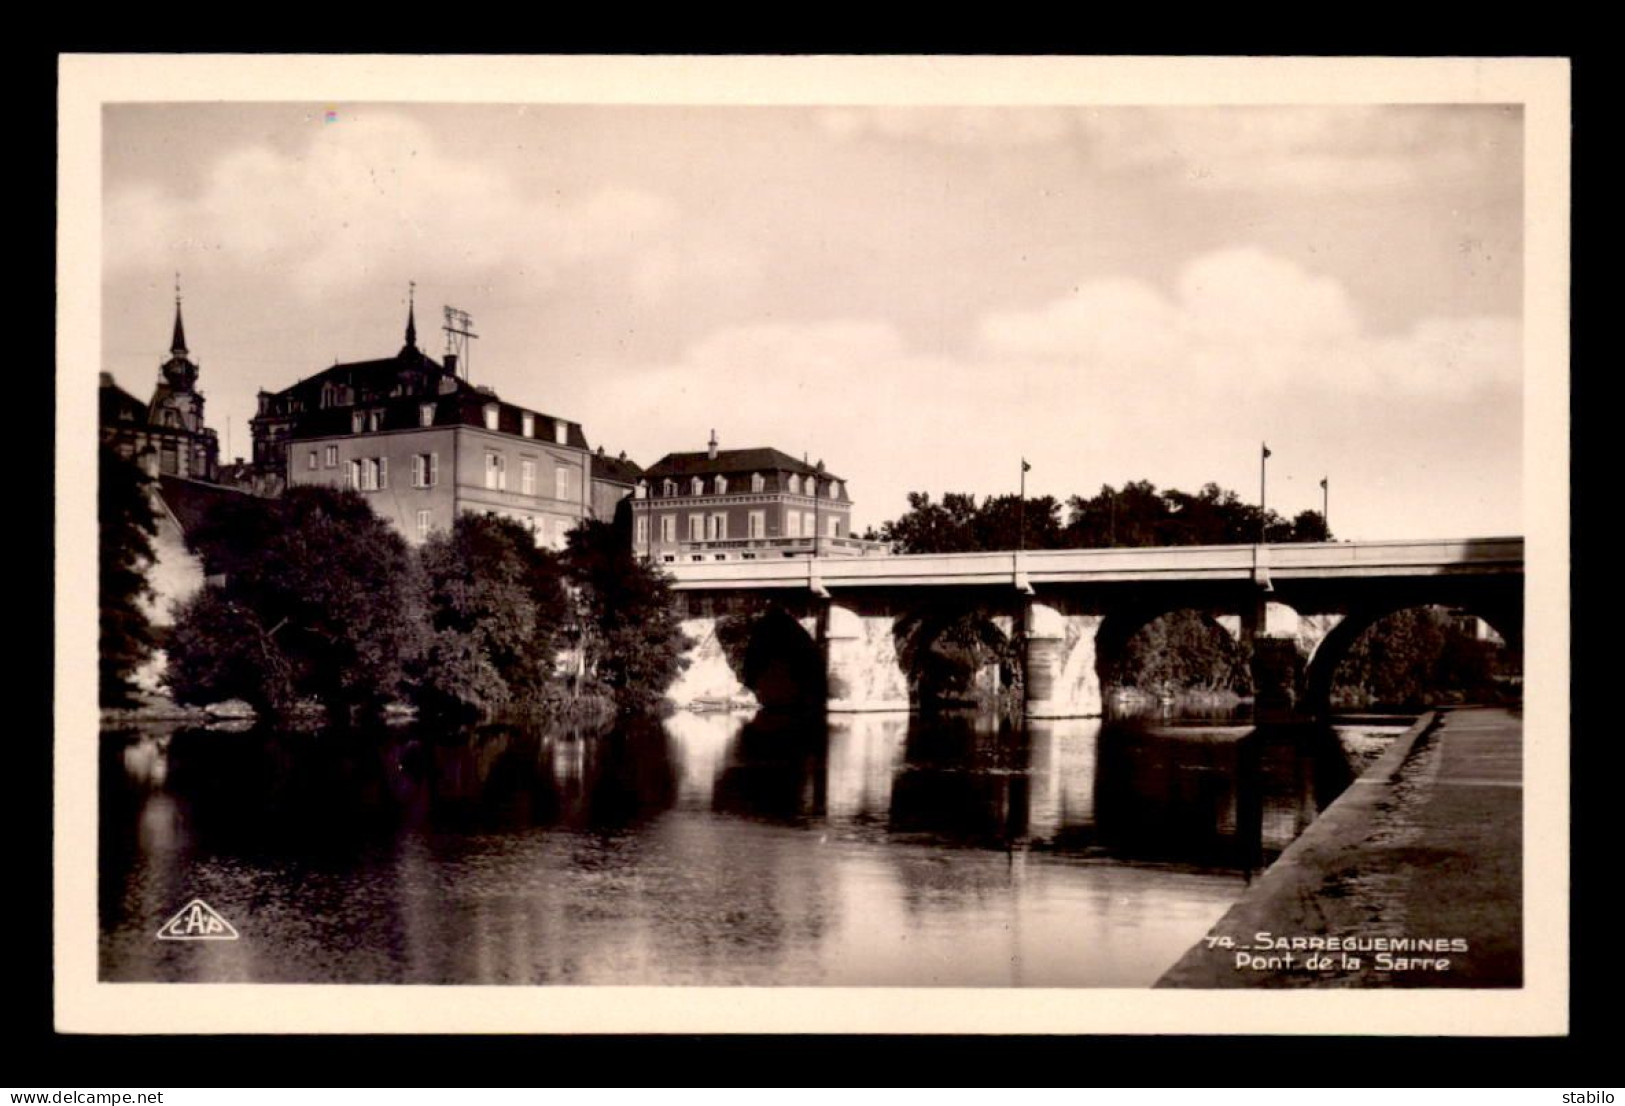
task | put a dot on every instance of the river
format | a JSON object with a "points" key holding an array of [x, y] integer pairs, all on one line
{"points": [[703, 849]]}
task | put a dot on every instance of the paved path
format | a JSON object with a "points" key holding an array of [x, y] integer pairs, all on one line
{"points": [[1428, 844]]}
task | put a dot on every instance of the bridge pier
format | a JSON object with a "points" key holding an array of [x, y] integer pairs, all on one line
{"points": [[1062, 681], [864, 673]]}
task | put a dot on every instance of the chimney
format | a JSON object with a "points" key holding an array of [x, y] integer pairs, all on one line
{"points": [[107, 380], [451, 363], [712, 452]]}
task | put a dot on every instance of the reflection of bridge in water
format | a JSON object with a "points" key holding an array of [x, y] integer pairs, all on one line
{"points": [[1297, 607]]}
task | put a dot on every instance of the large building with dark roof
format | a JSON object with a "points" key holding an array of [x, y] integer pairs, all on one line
{"points": [[742, 504], [167, 434], [423, 444]]}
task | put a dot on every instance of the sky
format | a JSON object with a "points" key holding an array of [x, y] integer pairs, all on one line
{"points": [[920, 297]]}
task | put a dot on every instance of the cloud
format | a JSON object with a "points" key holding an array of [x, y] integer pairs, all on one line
{"points": [[1274, 147], [954, 126], [1116, 379], [375, 193], [1242, 321], [1267, 147]]}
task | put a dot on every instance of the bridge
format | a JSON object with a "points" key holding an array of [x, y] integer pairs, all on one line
{"points": [[1297, 608]]}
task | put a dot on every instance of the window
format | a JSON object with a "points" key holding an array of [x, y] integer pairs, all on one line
{"points": [[668, 528], [809, 525], [793, 521], [375, 420], [370, 473], [425, 414], [640, 530], [423, 524], [561, 432], [721, 484], [758, 482], [561, 483], [496, 471], [332, 457], [794, 484], [696, 527], [641, 491], [696, 486], [355, 474], [835, 489], [668, 488], [757, 524], [490, 416], [312, 459], [425, 469], [560, 528], [527, 424], [358, 421], [833, 530], [527, 477], [717, 527]]}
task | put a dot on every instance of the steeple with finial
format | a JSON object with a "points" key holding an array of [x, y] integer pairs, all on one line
{"points": [[177, 344], [411, 316], [180, 371]]}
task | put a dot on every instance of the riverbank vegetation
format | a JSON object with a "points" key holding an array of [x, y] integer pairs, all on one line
{"points": [[127, 526], [317, 600]]}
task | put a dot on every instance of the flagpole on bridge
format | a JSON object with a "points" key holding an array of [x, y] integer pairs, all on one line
{"points": [[1263, 513], [1021, 509], [1326, 505]]}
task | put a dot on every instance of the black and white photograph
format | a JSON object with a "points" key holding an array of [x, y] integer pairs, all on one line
{"points": [[921, 544]]}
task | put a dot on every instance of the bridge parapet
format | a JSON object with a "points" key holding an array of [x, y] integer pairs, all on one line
{"points": [[1289, 560]]}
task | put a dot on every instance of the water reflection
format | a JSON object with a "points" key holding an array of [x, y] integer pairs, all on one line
{"points": [[707, 849]]}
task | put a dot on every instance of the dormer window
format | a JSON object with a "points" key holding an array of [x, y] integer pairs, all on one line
{"points": [[561, 432], [358, 421], [794, 484], [668, 488], [758, 482], [721, 483], [425, 414], [490, 416], [527, 424], [375, 420], [696, 486], [835, 489]]}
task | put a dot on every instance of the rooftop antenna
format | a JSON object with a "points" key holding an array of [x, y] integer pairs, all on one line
{"points": [[459, 329]]}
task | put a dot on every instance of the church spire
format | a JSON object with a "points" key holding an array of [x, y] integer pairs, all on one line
{"points": [[177, 344], [411, 315]]}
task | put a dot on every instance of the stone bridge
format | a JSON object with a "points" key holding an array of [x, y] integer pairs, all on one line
{"points": [[1297, 608]]}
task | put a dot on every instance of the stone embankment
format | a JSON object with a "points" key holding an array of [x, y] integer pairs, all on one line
{"points": [[1412, 878]]}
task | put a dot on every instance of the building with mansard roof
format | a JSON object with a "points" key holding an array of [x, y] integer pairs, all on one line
{"points": [[423, 444], [167, 434], [742, 504]]}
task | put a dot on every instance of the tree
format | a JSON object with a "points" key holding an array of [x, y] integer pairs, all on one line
{"points": [[1414, 657], [497, 613], [1135, 515], [127, 525], [626, 625], [321, 590]]}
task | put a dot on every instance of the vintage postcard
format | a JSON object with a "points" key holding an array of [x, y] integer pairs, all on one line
{"points": [[867, 545]]}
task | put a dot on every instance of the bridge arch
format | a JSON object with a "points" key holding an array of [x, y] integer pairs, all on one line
{"points": [[1335, 647], [1223, 655], [775, 655], [959, 654]]}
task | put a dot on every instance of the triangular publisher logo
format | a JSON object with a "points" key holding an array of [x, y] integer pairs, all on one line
{"points": [[197, 921]]}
